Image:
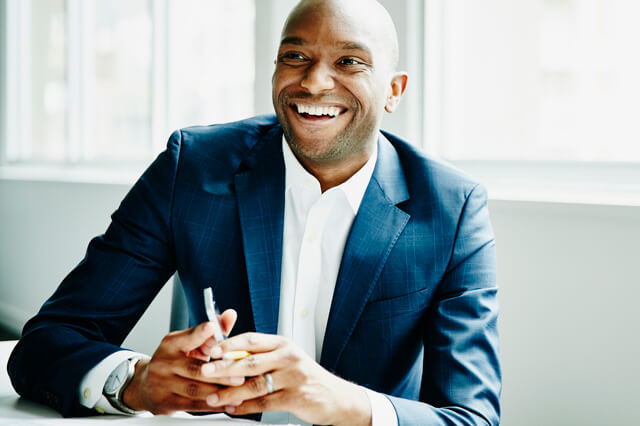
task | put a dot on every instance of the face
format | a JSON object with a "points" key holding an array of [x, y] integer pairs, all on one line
{"points": [[330, 86]]}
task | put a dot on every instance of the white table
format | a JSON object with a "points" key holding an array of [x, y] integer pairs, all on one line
{"points": [[14, 409]]}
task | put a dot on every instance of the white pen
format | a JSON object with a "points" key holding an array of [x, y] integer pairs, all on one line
{"points": [[213, 315]]}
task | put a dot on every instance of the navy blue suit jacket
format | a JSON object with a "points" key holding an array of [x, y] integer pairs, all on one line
{"points": [[414, 313]]}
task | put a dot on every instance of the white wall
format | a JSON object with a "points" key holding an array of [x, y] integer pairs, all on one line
{"points": [[568, 275], [44, 231], [569, 328]]}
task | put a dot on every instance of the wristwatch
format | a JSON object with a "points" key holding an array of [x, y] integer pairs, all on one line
{"points": [[117, 382]]}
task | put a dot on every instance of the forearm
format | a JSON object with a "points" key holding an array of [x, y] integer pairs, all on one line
{"points": [[48, 365], [416, 413]]}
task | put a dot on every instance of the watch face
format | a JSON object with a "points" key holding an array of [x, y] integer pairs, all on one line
{"points": [[116, 378]]}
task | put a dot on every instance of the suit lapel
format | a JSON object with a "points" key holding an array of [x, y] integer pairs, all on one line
{"points": [[260, 192], [373, 234]]}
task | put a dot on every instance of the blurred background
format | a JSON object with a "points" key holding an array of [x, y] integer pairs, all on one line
{"points": [[538, 99]]}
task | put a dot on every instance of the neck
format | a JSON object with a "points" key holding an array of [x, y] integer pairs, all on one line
{"points": [[334, 174]]}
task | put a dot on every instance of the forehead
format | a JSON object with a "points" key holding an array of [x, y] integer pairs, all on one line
{"points": [[330, 28]]}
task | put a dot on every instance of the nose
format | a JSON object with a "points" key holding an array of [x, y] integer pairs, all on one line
{"points": [[318, 78]]}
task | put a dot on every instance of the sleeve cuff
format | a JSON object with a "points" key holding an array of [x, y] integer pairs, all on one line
{"points": [[382, 411], [92, 383]]}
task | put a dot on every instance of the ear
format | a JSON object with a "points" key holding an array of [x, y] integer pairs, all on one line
{"points": [[398, 86]]}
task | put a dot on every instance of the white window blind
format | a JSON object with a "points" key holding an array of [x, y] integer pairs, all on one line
{"points": [[104, 82]]}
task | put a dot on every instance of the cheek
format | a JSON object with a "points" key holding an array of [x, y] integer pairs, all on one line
{"points": [[284, 78]]}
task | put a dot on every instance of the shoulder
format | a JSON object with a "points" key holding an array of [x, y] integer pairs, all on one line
{"points": [[218, 151], [236, 137]]}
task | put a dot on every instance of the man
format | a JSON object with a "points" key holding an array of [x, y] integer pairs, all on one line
{"points": [[374, 265]]}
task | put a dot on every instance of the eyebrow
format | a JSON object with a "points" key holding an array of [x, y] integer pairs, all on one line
{"points": [[346, 45]]}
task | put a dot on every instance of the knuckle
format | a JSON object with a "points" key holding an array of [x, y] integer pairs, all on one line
{"points": [[197, 404], [192, 390], [299, 375], [256, 385], [306, 397], [262, 403], [167, 339], [252, 362], [292, 356], [193, 367]]}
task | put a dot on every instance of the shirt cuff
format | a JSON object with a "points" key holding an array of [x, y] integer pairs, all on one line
{"points": [[382, 411], [92, 383]]}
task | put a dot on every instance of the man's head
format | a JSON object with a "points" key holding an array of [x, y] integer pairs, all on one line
{"points": [[335, 76]]}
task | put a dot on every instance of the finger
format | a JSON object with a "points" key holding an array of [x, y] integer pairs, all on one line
{"points": [[189, 339], [176, 402], [207, 346], [252, 365], [276, 401], [194, 369], [252, 342], [254, 387], [228, 320], [192, 389], [201, 353]]}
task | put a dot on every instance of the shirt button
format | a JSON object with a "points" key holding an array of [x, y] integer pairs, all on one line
{"points": [[304, 313], [312, 238], [99, 410], [86, 393]]}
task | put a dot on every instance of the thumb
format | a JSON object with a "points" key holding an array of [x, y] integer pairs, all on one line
{"points": [[191, 338]]}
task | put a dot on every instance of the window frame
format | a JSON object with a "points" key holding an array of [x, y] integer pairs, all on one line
{"points": [[576, 182], [419, 119]]}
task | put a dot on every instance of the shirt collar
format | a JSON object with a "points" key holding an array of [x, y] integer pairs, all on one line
{"points": [[353, 188]]}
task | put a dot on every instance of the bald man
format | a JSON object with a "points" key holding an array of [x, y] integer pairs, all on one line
{"points": [[359, 274]]}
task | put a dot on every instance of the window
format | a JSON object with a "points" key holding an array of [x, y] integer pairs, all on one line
{"points": [[533, 80], [104, 82]]}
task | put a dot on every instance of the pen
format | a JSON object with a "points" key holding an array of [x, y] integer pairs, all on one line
{"points": [[212, 314]]}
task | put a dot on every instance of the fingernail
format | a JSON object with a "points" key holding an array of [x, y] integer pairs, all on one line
{"points": [[213, 399], [236, 381], [235, 403], [230, 408], [208, 369], [216, 352]]}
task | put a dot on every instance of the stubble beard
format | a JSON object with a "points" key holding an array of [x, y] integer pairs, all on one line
{"points": [[351, 140]]}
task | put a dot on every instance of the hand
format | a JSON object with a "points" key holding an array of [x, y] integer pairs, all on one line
{"points": [[172, 380], [301, 386]]}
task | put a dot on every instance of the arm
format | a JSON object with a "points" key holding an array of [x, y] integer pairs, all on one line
{"points": [[98, 303], [461, 377]]}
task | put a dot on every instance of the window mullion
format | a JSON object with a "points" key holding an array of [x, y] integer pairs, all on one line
{"points": [[77, 115], [433, 66], [159, 75], [9, 73], [21, 123]]}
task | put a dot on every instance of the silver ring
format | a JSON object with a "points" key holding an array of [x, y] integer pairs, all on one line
{"points": [[269, 380]]}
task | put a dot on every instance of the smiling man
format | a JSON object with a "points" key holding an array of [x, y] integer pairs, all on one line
{"points": [[358, 273]]}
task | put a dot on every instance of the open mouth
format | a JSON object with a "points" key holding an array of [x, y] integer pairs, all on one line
{"points": [[317, 112]]}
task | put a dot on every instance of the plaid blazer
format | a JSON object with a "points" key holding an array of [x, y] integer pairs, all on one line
{"points": [[414, 313]]}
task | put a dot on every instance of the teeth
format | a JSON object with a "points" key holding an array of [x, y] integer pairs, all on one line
{"points": [[318, 110]]}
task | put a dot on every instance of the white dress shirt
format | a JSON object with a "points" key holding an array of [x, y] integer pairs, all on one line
{"points": [[316, 226]]}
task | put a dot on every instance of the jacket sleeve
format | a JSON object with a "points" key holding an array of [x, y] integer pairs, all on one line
{"points": [[100, 301], [461, 381]]}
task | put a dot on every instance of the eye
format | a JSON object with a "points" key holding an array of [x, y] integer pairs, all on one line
{"points": [[291, 57], [349, 61]]}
